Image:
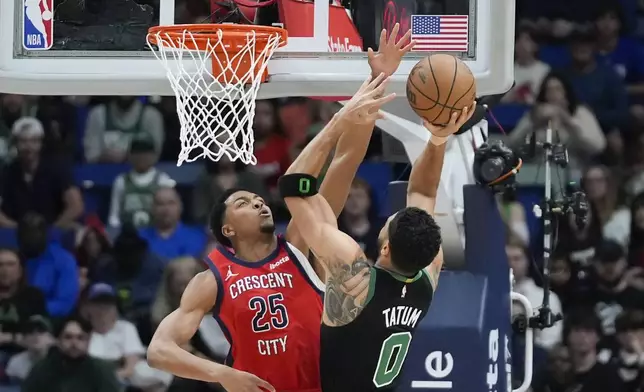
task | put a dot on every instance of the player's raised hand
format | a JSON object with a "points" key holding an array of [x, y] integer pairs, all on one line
{"points": [[390, 52], [364, 106], [238, 381], [440, 133]]}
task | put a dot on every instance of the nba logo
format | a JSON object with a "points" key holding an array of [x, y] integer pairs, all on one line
{"points": [[38, 24]]}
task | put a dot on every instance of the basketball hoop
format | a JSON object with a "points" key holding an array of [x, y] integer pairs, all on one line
{"points": [[215, 71]]}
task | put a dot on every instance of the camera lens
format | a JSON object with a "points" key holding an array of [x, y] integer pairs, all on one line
{"points": [[491, 169]]}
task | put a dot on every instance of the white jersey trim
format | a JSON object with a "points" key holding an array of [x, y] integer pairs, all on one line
{"points": [[303, 261]]}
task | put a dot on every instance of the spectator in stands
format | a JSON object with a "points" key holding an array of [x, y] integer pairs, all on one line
{"points": [[295, 117], [168, 237], [577, 240], [132, 192], [219, 177], [271, 148], [68, 367], [359, 218], [583, 331], [614, 156], [636, 232], [529, 71], [514, 217], [93, 247], [58, 118], [568, 285], [48, 266], [635, 183], [558, 375], [167, 106], [12, 107], [38, 339], [209, 341], [111, 126], [117, 341], [596, 84], [628, 355], [18, 301], [36, 183], [520, 264], [133, 270], [601, 188], [574, 123], [616, 287], [624, 54]]}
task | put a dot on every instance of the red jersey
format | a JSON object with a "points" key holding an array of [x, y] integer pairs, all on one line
{"points": [[270, 312]]}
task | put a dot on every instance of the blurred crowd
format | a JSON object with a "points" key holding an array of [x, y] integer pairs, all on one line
{"points": [[88, 271], [579, 69]]}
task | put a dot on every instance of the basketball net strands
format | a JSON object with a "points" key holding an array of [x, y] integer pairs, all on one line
{"points": [[215, 71]]}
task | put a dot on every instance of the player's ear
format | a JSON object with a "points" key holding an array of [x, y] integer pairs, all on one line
{"points": [[384, 250], [227, 231]]}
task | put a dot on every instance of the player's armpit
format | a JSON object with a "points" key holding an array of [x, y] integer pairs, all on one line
{"points": [[347, 290], [434, 269]]}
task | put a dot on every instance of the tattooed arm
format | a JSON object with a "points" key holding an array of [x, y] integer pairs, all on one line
{"points": [[347, 270], [347, 288]]}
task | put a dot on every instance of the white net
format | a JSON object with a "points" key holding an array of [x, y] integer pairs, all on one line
{"points": [[216, 88]]}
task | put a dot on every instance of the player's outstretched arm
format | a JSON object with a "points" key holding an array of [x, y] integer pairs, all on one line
{"points": [[426, 174], [355, 116], [175, 331], [345, 263], [352, 146]]}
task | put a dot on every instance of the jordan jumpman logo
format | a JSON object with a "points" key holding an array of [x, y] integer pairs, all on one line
{"points": [[230, 274]]}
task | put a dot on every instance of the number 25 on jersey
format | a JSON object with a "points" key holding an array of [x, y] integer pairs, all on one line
{"points": [[270, 313]]}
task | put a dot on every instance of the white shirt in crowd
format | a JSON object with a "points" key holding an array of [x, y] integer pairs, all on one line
{"points": [[548, 337], [121, 341], [20, 365]]}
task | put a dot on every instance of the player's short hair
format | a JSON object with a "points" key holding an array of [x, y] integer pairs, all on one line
{"points": [[414, 240], [217, 216]]}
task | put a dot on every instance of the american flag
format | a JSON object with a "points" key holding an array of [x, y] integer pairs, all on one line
{"points": [[439, 33]]}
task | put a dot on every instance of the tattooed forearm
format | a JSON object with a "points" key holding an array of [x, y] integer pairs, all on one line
{"points": [[346, 291]]}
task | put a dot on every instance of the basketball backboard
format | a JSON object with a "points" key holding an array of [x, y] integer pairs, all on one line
{"points": [[98, 47]]}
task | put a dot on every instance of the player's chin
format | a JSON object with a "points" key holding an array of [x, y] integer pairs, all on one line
{"points": [[267, 225]]}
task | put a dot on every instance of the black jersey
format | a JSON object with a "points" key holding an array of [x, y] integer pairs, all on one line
{"points": [[368, 354]]}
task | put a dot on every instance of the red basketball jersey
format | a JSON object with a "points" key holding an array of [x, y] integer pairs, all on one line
{"points": [[270, 312]]}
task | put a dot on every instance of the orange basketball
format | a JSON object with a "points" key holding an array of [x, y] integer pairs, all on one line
{"points": [[440, 85]]}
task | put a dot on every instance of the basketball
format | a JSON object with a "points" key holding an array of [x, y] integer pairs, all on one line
{"points": [[439, 85]]}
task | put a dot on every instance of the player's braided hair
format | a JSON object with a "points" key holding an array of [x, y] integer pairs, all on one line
{"points": [[217, 216], [414, 240]]}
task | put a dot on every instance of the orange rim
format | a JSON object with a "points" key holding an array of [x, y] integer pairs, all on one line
{"points": [[201, 34]]}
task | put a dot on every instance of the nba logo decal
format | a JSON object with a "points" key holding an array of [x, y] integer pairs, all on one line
{"points": [[38, 24]]}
